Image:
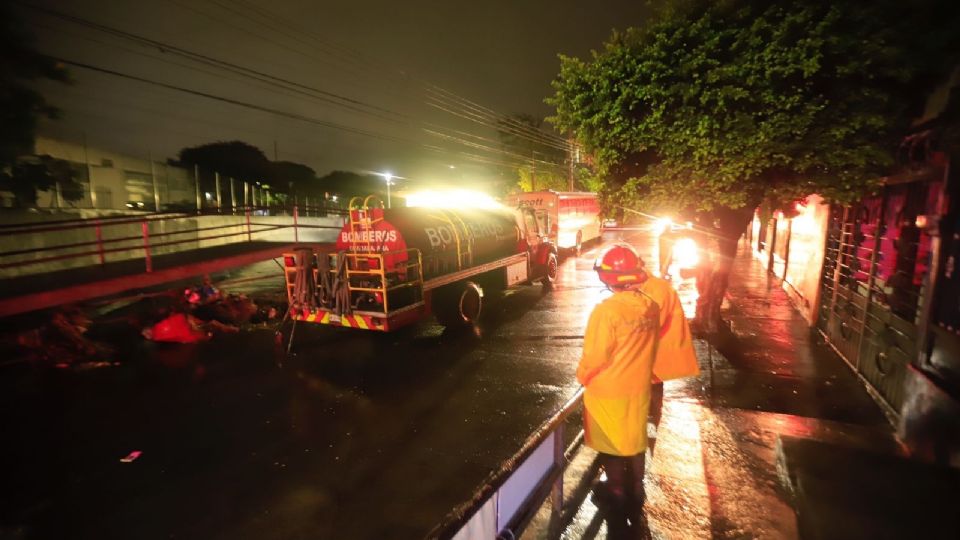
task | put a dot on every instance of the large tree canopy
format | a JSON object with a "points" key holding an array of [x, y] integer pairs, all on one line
{"points": [[21, 109], [235, 159], [722, 104], [21, 106], [716, 106]]}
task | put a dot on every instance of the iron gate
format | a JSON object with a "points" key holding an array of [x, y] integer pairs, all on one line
{"points": [[873, 281]]}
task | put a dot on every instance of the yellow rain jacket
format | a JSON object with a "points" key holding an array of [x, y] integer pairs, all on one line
{"points": [[631, 337]]}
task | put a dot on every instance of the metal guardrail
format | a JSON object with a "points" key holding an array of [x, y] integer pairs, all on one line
{"points": [[146, 241], [505, 503]]}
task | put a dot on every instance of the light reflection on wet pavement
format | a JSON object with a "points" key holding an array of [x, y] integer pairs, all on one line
{"points": [[713, 470]]}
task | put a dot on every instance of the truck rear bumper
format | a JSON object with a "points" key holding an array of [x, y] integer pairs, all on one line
{"points": [[364, 320]]}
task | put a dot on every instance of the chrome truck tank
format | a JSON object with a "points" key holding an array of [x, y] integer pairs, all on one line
{"points": [[448, 240]]}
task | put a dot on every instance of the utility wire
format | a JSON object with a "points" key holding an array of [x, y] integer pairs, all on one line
{"points": [[223, 99], [437, 94], [257, 76], [264, 109], [331, 97], [265, 85], [220, 64]]}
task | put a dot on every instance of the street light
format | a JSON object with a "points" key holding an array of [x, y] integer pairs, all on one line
{"points": [[388, 176]]}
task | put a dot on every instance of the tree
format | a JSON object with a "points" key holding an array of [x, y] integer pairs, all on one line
{"points": [[716, 107], [41, 173], [233, 159], [293, 178], [519, 141], [531, 179], [348, 184], [21, 106]]}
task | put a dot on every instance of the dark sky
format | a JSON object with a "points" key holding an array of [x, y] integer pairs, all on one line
{"points": [[372, 59]]}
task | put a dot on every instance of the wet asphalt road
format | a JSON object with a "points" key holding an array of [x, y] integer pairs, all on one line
{"points": [[356, 435]]}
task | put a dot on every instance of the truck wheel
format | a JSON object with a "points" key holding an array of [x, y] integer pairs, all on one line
{"points": [[459, 306], [551, 269]]}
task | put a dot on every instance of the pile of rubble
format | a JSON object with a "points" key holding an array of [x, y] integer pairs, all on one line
{"points": [[189, 316]]}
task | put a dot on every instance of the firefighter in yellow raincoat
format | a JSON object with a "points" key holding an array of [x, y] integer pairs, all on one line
{"points": [[636, 336]]}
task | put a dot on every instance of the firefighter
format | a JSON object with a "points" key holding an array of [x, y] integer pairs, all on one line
{"points": [[635, 336], [665, 243]]}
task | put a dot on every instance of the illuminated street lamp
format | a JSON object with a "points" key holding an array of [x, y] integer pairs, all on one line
{"points": [[387, 176]]}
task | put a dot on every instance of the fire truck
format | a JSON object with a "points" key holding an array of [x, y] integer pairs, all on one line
{"points": [[394, 267], [572, 217]]}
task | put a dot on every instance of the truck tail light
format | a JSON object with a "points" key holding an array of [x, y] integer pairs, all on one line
{"points": [[289, 261]]}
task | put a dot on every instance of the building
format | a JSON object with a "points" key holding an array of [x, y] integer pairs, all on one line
{"points": [[878, 279]]}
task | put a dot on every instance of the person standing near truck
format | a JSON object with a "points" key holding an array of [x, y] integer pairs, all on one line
{"points": [[637, 335]]}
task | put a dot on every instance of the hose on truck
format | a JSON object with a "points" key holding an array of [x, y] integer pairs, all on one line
{"points": [[304, 288], [304, 293], [325, 290], [341, 287]]}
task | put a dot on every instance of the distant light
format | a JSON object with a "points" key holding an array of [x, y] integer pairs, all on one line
{"points": [[388, 176], [661, 225], [452, 166], [334, 198], [208, 196], [460, 198], [685, 253]]}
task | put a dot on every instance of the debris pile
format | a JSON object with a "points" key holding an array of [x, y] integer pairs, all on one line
{"points": [[59, 338], [204, 311], [188, 315]]}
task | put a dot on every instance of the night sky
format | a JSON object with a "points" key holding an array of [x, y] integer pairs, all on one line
{"points": [[360, 66]]}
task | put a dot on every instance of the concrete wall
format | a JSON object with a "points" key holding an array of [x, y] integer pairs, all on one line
{"points": [[798, 247], [230, 229], [807, 240]]}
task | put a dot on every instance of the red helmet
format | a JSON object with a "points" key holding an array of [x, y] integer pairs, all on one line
{"points": [[620, 265]]}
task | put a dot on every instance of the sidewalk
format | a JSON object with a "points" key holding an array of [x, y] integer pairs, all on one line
{"points": [[718, 469]]}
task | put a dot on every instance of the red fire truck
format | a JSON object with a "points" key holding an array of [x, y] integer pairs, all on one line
{"points": [[572, 217], [394, 267]]}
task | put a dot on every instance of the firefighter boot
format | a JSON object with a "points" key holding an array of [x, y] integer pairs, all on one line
{"points": [[613, 492], [634, 481]]}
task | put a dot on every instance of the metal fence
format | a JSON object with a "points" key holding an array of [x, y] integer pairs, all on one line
{"points": [[91, 241], [873, 284], [505, 503]]}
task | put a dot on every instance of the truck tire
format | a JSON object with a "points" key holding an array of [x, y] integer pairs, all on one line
{"points": [[550, 270], [458, 305]]}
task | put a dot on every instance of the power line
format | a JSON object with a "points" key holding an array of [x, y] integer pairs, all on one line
{"points": [[229, 67], [259, 36], [235, 77], [264, 109], [223, 99], [330, 97], [436, 93], [265, 79]]}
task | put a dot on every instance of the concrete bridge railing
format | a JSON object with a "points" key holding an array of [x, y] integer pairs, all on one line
{"points": [[27, 249]]}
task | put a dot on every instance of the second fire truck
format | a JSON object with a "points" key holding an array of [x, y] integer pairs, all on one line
{"points": [[571, 217]]}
